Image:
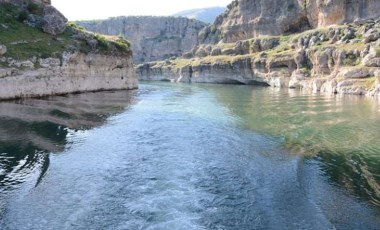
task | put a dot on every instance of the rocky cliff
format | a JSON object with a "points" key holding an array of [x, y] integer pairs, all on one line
{"points": [[40, 55], [40, 14], [335, 60], [152, 38], [253, 18]]}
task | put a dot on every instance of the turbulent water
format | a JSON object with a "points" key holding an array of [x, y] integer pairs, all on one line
{"points": [[173, 156]]}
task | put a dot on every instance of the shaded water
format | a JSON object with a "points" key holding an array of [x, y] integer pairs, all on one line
{"points": [[174, 156]]}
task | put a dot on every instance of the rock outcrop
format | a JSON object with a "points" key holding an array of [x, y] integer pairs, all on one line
{"points": [[337, 60], [3, 50], [74, 72], [253, 18], [152, 38], [40, 14], [53, 22]]}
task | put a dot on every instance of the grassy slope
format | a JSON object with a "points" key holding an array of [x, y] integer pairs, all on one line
{"points": [[24, 42], [32, 42]]}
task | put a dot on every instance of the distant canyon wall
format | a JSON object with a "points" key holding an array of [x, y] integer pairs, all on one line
{"points": [[152, 38]]}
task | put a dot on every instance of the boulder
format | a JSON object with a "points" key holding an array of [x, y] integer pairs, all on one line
{"points": [[53, 22], [371, 35], [300, 58], [372, 59], [323, 61], [201, 52], [355, 73], [216, 51], [3, 50], [242, 47], [270, 43]]}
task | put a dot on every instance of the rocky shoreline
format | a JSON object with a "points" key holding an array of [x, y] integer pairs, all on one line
{"points": [[340, 59]]}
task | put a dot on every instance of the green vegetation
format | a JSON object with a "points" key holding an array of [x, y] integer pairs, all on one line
{"points": [[233, 5], [377, 50], [351, 60], [22, 16], [102, 42], [367, 83], [122, 45], [75, 26], [25, 42], [35, 8]]}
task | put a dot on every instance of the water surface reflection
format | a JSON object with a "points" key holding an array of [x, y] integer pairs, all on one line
{"points": [[30, 129]]}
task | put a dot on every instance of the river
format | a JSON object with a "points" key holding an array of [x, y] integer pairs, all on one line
{"points": [[182, 156]]}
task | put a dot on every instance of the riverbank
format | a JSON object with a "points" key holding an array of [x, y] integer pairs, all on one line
{"points": [[39, 57], [341, 59]]}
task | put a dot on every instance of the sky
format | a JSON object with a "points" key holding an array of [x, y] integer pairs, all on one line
{"points": [[101, 9]]}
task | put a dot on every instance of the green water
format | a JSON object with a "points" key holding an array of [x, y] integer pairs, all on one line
{"points": [[342, 132]]}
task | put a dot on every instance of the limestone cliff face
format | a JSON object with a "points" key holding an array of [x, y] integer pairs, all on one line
{"points": [[75, 72], [152, 38], [252, 18], [327, 12]]}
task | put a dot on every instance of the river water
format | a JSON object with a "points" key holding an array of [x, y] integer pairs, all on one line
{"points": [[180, 156]]}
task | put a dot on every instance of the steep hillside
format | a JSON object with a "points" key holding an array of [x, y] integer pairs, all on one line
{"points": [[152, 38], [253, 18], [40, 55], [207, 15]]}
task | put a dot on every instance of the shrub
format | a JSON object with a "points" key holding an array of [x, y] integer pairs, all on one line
{"points": [[34, 8], [102, 42], [122, 46], [23, 15], [75, 26]]}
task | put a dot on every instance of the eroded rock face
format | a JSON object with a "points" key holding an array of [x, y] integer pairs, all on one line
{"points": [[152, 38], [53, 22], [75, 72], [252, 18], [338, 60], [327, 12]]}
